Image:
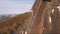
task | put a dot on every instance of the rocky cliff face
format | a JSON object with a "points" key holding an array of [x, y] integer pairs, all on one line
{"points": [[40, 6], [36, 5]]}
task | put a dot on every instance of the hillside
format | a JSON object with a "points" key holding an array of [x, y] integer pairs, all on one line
{"points": [[14, 23]]}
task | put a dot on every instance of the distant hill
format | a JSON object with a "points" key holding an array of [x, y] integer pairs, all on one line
{"points": [[5, 17]]}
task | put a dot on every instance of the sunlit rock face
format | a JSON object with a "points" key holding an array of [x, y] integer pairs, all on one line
{"points": [[58, 7]]}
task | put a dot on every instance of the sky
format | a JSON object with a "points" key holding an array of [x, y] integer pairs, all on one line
{"points": [[15, 6]]}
